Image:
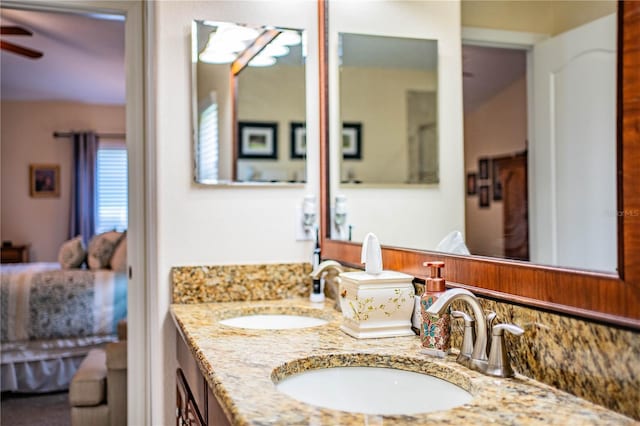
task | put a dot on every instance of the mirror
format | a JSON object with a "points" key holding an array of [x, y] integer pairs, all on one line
{"points": [[388, 110], [248, 103], [520, 176], [608, 298]]}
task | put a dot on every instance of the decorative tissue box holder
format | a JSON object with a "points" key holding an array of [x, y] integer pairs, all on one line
{"points": [[376, 305]]}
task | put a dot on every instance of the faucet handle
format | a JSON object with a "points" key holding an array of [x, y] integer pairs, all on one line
{"points": [[490, 317], [499, 364], [468, 338]]}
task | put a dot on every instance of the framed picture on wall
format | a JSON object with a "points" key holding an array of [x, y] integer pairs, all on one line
{"points": [[298, 140], [258, 140], [471, 184], [483, 168], [44, 180], [484, 197], [352, 141]]}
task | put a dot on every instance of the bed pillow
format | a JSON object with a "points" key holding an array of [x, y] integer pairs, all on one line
{"points": [[72, 253], [101, 249], [119, 259]]}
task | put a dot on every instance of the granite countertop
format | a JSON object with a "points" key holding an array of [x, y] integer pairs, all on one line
{"points": [[241, 366]]}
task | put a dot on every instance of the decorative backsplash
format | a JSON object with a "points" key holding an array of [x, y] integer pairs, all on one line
{"points": [[228, 283], [593, 361], [596, 362]]}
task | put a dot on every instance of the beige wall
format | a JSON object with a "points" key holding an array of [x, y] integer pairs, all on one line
{"points": [[536, 16], [377, 98], [198, 225], [27, 138], [496, 128]]}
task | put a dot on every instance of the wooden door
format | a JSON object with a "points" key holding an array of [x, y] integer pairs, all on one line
{"points": [[512, 172]]}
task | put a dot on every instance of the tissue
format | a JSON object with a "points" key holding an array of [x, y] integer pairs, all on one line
{"points": [[371, 254]]}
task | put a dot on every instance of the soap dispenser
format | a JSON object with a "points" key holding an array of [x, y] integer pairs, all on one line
{"points": [[435, 332]]}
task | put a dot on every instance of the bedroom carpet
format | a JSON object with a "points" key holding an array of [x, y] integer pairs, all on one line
{"points": [[50, 409]]}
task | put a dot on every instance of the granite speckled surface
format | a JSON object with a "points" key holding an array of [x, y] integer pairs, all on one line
{"points": [[241, 366], [597, 362], [226, 283]]}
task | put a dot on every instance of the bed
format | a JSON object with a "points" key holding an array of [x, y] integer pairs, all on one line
{"points": [[51, 318]]}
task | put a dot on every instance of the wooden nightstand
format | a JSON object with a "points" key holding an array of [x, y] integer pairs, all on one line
{"points": [[14, 254]]}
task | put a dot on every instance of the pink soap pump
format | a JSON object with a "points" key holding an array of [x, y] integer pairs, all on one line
{"points": [[435, 330]]}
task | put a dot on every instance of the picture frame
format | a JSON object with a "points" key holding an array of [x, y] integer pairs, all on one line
{"points": [[483, 168], [298, 140], [352, 141], [44, 180], [483, 199], [471, 184], [258, 140]]}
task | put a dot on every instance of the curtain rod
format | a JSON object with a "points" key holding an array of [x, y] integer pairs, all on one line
{"points": [[100, 135]]}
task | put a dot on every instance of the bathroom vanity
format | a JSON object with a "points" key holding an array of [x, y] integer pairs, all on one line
{"points": [[229, 375]]}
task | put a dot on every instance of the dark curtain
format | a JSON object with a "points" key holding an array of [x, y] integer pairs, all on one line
{"points": [[83, 185]]}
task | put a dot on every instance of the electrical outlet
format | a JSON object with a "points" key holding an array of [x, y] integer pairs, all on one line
{"points": [[303, 233]]}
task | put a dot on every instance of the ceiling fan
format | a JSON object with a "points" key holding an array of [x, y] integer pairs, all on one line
{"points": [[7, 30]]}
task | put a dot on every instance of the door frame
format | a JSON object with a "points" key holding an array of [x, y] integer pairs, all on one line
{"points": [[140, 215]]}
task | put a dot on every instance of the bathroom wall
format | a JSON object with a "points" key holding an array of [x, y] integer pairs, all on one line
{"points": [[208, 225]]}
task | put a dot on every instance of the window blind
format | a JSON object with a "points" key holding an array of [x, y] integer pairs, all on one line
{"points": [[111, 182], [207, 150]]}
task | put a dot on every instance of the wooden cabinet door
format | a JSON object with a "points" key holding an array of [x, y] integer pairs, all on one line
{"points": [[187, 412]]}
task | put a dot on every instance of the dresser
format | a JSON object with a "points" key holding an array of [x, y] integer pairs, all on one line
{"points": [[14, 254]]}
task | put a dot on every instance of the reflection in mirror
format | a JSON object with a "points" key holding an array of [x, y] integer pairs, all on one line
{"points": [[543, 160], [249, 103], [539, 137], [388, 109]]}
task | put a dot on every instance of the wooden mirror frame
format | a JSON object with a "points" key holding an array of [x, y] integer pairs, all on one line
{"points": [[608, 298]]}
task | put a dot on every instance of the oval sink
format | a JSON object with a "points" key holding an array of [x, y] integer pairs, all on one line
{"points": [[272, 322], [373, 390]]}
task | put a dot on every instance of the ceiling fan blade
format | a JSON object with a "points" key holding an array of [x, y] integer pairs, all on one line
{"points": [[13, 30], [19, 50]]}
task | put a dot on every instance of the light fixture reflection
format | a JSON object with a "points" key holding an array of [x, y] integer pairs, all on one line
{"points": [[288, 38], [275, 50], [261, 60], [217, 57], [229, 40]]}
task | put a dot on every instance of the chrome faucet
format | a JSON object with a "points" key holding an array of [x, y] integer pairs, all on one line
{"points": [[322, 269], [324, 266], [479, 355], [497, 364]]}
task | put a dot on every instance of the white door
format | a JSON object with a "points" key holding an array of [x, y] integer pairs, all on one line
{"points": [[572, 171]]}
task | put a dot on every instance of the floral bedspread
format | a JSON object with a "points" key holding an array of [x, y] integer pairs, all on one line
{"points": [[40, 302]]}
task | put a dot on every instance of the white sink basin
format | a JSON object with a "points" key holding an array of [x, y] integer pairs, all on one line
{"points": [[373, 390], [272, 322]]}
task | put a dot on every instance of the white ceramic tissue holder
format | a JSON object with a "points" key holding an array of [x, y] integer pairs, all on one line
{"points": [[376, 303]]}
